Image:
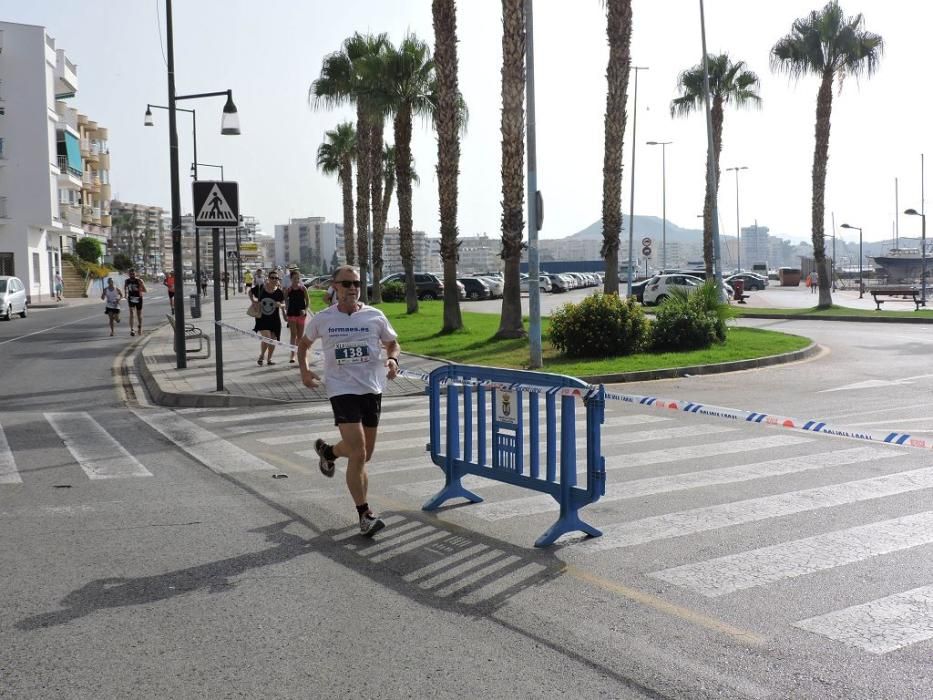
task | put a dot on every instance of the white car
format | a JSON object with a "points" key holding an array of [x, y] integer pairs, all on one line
{"points": [[494, 284], [12, 297], [659, 287]]}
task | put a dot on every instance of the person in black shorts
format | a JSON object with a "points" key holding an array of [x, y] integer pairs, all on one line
{"points": [[133, 290]]}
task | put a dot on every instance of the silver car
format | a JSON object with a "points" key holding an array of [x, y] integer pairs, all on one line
{"points": [[12, 297]]}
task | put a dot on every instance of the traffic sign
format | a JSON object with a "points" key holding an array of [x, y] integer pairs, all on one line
{"points": [[646, 251], [646, 242], [216, 203]]}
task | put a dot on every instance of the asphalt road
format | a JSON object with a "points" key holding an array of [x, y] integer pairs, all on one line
{"points": [[737, 560]]}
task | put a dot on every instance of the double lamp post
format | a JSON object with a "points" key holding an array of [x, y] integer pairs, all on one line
{"points": [[229, 126]]}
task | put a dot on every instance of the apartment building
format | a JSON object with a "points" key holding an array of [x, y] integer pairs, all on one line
{"points": [[310, 241], [96, 218], [38, 220], [142, 232], [251, 250], [479, 254], [426, 253]]}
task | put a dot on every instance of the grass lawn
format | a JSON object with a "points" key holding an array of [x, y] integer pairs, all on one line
{"points": [[419, 333], [835, 311]]}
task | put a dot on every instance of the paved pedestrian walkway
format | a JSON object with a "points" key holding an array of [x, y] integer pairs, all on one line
{"points": [[244, 382]]}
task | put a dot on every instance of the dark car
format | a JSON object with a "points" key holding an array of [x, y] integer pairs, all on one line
{"points": [[752, 282], [638, 290], [475, 288], [427, 285]]}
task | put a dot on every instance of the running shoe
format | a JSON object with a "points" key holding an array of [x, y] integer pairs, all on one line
{"points": [[370, 524], [327, 466]]}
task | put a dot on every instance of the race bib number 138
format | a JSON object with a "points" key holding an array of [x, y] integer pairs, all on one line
{"points": [[351, 353]]}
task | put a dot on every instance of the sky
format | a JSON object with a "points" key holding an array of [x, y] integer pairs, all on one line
{"points": [[269, 52]]}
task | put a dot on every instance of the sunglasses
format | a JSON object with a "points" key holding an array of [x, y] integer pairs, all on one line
{"points": [[274, 278], [346, 284]]}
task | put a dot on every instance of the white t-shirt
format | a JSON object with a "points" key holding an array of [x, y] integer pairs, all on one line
{"points": [[352, 347], [111, 298]]}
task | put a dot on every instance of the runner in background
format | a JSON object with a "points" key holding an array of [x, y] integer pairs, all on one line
{"points": [[169, 283], [134, 288], [111, 297]]}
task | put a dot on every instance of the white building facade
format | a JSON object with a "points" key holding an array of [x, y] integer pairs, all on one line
{"points": [[34, 75], [310, 242]]}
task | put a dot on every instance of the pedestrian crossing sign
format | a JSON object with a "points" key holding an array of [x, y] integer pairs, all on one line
{"points": [[216, 203]]}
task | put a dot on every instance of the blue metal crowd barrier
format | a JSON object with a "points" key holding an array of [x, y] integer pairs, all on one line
{"points": [[504, 394]]}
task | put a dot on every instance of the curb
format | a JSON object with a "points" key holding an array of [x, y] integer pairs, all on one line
{"points": [[720, 368], [850, 319]]}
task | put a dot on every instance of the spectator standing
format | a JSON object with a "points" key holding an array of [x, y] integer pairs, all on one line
{"points": [[271, 300], [296, 309]]}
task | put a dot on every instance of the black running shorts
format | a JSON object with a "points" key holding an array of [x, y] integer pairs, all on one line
{"points": [[357, 408]]}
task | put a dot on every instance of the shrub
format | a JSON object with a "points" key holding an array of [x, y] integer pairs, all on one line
{"points": [[88, 249], [690, 320], [602, 325], [393, 291], [122, 262]]}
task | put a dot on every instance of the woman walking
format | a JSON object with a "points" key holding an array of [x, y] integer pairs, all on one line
{"points": [[296, 310], [111, 297], [271, 300]]}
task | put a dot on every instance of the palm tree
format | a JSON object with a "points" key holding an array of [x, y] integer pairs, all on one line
{"points": [[513, 158], [335, 157], [387, 169], [828, 44], [619, 32], [447, 120], [729, 82], [407, 90], [347, 77]]}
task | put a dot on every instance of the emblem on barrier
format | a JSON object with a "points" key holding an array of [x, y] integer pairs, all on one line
{"points": [[505, 407]]}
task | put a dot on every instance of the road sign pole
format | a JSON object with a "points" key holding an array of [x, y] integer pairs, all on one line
{"points": [[218, 316], [226, 279]]}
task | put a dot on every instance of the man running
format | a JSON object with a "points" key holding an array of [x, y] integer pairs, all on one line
{"points": [[111, 298], [134, 288], [353, 336]]}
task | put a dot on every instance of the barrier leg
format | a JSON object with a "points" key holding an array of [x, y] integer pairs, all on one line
{"points": [[569, 521], [452, 489]]}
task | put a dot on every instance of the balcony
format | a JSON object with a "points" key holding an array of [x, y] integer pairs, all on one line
{"points": [[70, 214], [66, 74], [69, 178], [104, 160]]}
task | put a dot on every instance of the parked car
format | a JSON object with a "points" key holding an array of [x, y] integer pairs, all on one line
{"points": [[428, 286], [12, 298], [638, 290], [476, 288], [494, 283], [658, 288], [752, 282], [558, 283], [526, 282]]}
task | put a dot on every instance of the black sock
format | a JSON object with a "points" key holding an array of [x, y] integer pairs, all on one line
{"points": [[329, 453], [363, 509]]}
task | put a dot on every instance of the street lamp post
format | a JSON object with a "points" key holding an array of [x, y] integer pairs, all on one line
{"points": [[631, 204], [663, 145], [861, 290], [738, 228], [923, 254], [229, 126]]}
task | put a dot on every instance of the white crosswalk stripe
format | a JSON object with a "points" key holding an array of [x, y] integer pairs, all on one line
{"points": [[690, 522], [216, 453], [94, 449], [656, 485], [9, 474], [757, 567], [879, 626]]}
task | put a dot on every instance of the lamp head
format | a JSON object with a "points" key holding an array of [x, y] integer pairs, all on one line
{"points": [[847, 226], [230, 122], [912, 212], [147, 121]]}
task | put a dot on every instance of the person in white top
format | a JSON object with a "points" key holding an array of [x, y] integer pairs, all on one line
{"points": [[111, 297], [353, 336]]}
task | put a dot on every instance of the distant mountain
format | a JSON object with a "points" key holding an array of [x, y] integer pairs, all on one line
{"points": [[650, 226]]}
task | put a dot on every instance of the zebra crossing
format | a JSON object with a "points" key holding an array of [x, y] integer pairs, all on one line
{"points": [[705, 510]]}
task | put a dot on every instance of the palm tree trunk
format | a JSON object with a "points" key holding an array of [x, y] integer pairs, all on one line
{"points": [[403, 177], [346, 180], [824, 108], [362, 195], [448, 153], [513, 158], [379, 222], [619, 32]]}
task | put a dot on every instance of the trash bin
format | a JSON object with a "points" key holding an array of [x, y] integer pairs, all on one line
{"points": [[195, 305]]}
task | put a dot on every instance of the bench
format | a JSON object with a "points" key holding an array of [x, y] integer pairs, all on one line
{"points": [[194, 334], [895, 294]]}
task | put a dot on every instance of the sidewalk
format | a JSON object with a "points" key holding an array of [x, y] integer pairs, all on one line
{"points": [[245, 383]]}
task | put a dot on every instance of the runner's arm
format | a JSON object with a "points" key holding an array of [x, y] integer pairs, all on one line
{"points": [[393, 349], [308, 378]]}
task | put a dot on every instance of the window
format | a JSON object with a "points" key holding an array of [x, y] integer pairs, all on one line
{"points": [[36, 270]]}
